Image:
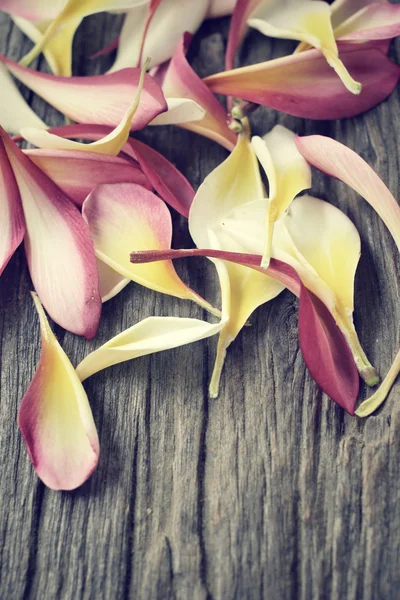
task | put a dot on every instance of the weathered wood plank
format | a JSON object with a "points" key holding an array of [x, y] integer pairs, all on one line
{"points": [[269, 491]]}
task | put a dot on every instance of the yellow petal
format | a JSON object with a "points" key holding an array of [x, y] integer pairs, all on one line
{"points": [[307, 21], [153, 334], [234, 183], [288, 174]]}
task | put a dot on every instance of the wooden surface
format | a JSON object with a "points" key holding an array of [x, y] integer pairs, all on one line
{"points": [[271, 491]]}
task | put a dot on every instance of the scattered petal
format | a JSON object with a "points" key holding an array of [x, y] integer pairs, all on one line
{"points": [[238, 28], [288, 174], [153, 334], [180, 111], [372, 403], [180, 81], [378, 21], [303, 85], [123, 217], [55, 418], [110, 282]]}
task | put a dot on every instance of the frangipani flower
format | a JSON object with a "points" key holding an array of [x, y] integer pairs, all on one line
{"points": [[305, 86], [125, 216], [153, 334], [180, 82], [288, 174], [337, 160], [98, 99], [324, 347], [317, 24], [233, 184], [58, 247], [55, 418]]}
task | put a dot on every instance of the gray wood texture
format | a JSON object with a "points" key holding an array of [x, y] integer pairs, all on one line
{"points": [[270, 491]]}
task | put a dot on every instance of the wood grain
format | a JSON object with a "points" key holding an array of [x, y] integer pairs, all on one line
{"points": [[271, 491]]}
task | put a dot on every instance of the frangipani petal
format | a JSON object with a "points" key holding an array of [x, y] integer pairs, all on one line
{"points": [[303, 85], [337, 160], [234, 183], [304, 20], [180, 111], [151, 335], [159, 46], [55, 418], [238, 28], [12, 226], [181, 81], [326, 352], [110, 282], [111, 144], [14, 111], [77, 173], [123, 217], [288, 174], [378, 21], [59, 250], [341, 10], [168, 182], [97, 99]]}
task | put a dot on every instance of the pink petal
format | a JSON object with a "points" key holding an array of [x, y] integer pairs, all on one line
{"points": [[55, 418], [326, 352], [304, 85], [238, 29], [12, 226], [58, 246], [78, 173], [182, 82], [379, 21], [168, 182], [98, 99], [341, 162]]}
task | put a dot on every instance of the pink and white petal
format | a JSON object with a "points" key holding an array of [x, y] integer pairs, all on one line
{"points": [[341, 10], [78, 173], [159, 46], [341, 162], [180, 111], [238, 29], [168, 182], [181, 81], [15, 113], [151, 335], [375, 22], [97, 99], [110, 282], [220, 8], [304, 85], [12, 225], [123, 217], [55, 418], [110, 145], [59, 250]]}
